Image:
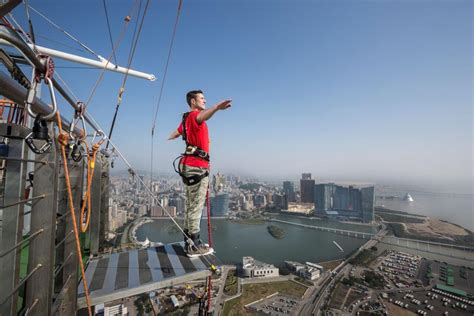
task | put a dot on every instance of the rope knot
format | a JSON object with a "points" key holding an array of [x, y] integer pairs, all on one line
{"points": [[63, 138]]}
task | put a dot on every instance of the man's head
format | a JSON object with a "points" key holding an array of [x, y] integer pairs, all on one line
{"points": [[196, 100]]}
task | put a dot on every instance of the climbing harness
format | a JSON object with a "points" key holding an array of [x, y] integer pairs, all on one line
{"points": [[191, 150]]}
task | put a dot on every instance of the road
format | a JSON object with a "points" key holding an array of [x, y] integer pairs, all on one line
{"points": [[312, 306], [218, 303]]}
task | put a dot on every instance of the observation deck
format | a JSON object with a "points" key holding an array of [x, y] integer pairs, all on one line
{"points": [[137, 271]]}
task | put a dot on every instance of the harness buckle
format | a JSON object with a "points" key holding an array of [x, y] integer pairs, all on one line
{"points": [[191, 150]]}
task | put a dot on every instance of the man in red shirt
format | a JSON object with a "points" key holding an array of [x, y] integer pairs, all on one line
{"points": [[194, 166]]}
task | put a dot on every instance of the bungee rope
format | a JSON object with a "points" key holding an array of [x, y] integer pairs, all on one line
{"points": [[63, 140]]}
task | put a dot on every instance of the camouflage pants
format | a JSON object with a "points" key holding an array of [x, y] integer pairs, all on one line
{"points": [[195, 198]]}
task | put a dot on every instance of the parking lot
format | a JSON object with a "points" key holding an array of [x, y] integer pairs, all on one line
{"points": [[278, 305], [431, 303], [371, 308], [400, 268]]}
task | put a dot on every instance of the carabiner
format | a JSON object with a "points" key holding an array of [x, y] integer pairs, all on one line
{"points": [[99, 133], [31, 97], [76, 118]]}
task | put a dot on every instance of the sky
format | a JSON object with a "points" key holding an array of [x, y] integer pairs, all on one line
{"points": [[368, 91]]}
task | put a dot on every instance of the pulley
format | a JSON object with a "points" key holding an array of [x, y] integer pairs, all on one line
{"points": [[40, 129], [40, 132], [76, 153]]}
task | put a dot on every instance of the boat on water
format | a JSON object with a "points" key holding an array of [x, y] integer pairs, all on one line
{"points": [[408, 198]]}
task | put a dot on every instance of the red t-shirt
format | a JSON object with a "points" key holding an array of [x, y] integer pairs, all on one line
{"points": [[197, 135]]}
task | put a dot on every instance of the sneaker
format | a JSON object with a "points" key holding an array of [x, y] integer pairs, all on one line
{"points": [[199, 248]]}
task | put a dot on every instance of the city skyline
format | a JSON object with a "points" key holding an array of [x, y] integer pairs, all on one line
{"points": [[352, 91]]}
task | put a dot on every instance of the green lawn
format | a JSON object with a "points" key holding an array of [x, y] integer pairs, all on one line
{"points": [[230, 287], [253, 292]]}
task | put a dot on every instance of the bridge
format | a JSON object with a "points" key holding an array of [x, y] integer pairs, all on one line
{"points": [[404, 241], [462, 255], [345, 232]]}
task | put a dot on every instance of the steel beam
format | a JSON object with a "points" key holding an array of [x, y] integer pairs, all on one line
{"points": [[101, 64], [96, 205], [61, 222], [68, 303], [42, 249], [104, 201], [12, 224]]}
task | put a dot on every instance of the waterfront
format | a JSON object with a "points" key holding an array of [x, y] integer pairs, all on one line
{"points": [[233, 240], [454, 208]]}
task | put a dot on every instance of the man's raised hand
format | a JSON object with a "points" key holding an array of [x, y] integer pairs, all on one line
{"points": [[224, 104]]}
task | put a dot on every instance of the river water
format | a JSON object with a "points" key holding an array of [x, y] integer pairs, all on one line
{"points": [[233, 240]]}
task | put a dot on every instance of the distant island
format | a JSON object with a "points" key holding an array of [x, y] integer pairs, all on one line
{"points": [[276, 232]]}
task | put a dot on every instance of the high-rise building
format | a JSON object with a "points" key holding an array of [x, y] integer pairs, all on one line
{"points": [[347, 202], [280, 201], [323, 197], [307, 188], [220, 205], [180, 205], [289, 190], [259, 200], [269, 198], [155, 211], [368, 202], [171, 211]]}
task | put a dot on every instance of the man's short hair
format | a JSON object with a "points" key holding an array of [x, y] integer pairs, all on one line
{"points": [[192, 95]]}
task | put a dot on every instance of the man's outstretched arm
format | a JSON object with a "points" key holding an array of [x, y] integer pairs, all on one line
{"points": [[175, 134], [208, 113]]}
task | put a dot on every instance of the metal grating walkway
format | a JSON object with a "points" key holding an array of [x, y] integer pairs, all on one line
{"points": [[133, 272]]}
